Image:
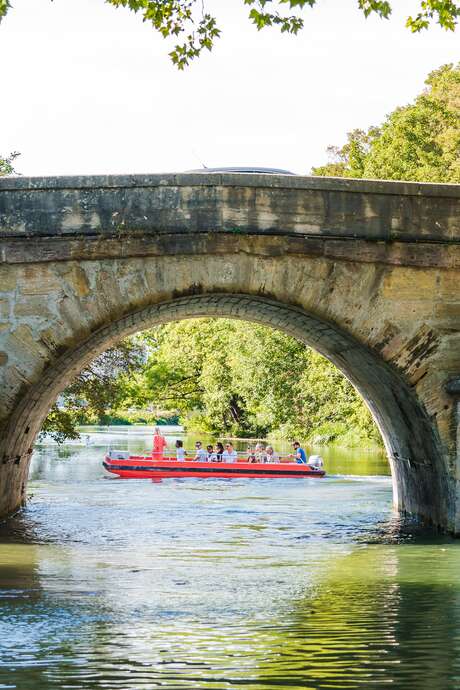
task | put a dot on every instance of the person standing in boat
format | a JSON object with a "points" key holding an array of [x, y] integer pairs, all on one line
{"points": [[180, 450], [229, 454], [299, 454], [159, 444]]}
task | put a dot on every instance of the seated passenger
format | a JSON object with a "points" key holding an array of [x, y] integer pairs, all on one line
{"points": [[211, 456], [270, 455], [180, 450], [200, 453], [299, 454], [219, 451], [251, 454], [260, 452], [229, 454]]}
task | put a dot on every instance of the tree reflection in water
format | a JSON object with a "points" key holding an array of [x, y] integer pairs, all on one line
{"points": [[386, 615]]}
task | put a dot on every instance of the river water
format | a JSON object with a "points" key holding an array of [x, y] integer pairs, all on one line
{"points": [[211, 584]]}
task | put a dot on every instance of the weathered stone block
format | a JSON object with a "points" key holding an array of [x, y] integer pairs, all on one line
{"points": [[407, 284], [35, 306], [7, 279], [38, 280], [449, 311]]}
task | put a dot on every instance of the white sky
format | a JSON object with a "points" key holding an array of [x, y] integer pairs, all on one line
{"points": [[87, 89]]}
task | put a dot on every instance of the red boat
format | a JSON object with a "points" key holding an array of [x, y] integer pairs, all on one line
{"points": [[145, 467]]}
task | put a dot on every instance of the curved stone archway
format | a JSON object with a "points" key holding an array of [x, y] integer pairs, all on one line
{"points": [[407, 431], [366, 272]]}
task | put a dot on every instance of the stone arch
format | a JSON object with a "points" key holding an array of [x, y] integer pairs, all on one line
{"points": [[420, 483]]}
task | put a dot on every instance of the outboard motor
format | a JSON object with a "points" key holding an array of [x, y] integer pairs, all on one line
{"points": [[118, 454], [316, 461]]}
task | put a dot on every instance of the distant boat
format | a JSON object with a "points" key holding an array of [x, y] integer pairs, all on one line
{"points": [[129, 466]]}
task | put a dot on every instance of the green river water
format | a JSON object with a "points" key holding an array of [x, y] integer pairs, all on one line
{"points": [[253, 584]]}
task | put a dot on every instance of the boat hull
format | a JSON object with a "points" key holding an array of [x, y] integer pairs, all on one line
{"points": [[143, 467]]}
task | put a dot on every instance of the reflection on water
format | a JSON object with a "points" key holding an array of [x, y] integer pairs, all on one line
{"points": [[210, 584]]}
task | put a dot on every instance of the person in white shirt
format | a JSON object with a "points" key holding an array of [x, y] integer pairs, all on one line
{"points": [[180, 450], [200, 453], [260, 452], [211, 456], [229, 454], [270, 455]]}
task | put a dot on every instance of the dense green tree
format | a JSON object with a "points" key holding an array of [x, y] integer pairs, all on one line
{"points": [[227, 376], [221, 376], [197, 29], [420, 141]]}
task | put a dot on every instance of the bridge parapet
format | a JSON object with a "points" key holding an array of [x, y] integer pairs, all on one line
{"points": [[230, 203]]}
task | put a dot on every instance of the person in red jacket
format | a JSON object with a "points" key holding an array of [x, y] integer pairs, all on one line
{"points": [[159, 444]]}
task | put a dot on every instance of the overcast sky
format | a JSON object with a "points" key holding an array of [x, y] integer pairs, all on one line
{"points": [[87, 89]]}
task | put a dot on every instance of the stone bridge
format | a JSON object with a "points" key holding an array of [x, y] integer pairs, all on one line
{"points": [[366, 272]]}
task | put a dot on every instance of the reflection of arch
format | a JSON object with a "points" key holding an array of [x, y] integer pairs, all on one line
{"points": [[417, 469]]}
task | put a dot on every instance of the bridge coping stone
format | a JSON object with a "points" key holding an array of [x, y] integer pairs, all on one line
{"points": [[231, 180]]}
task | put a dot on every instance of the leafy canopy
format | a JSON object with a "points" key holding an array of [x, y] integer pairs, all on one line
{"points": [[7, 163], [103, 385], [419, 142], [196, 29], [221, 376]]}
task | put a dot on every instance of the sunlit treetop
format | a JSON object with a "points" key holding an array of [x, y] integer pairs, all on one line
{"points": [[195, 29], [419, 141]]}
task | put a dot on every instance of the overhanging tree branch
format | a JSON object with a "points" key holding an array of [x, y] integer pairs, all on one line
{"points": [[195, 29]]}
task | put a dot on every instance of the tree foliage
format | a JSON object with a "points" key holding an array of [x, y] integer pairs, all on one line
{"points": [[419, 142], [221, 376], [195, 29], [227, 376], [102, 386], [7, 163]]}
